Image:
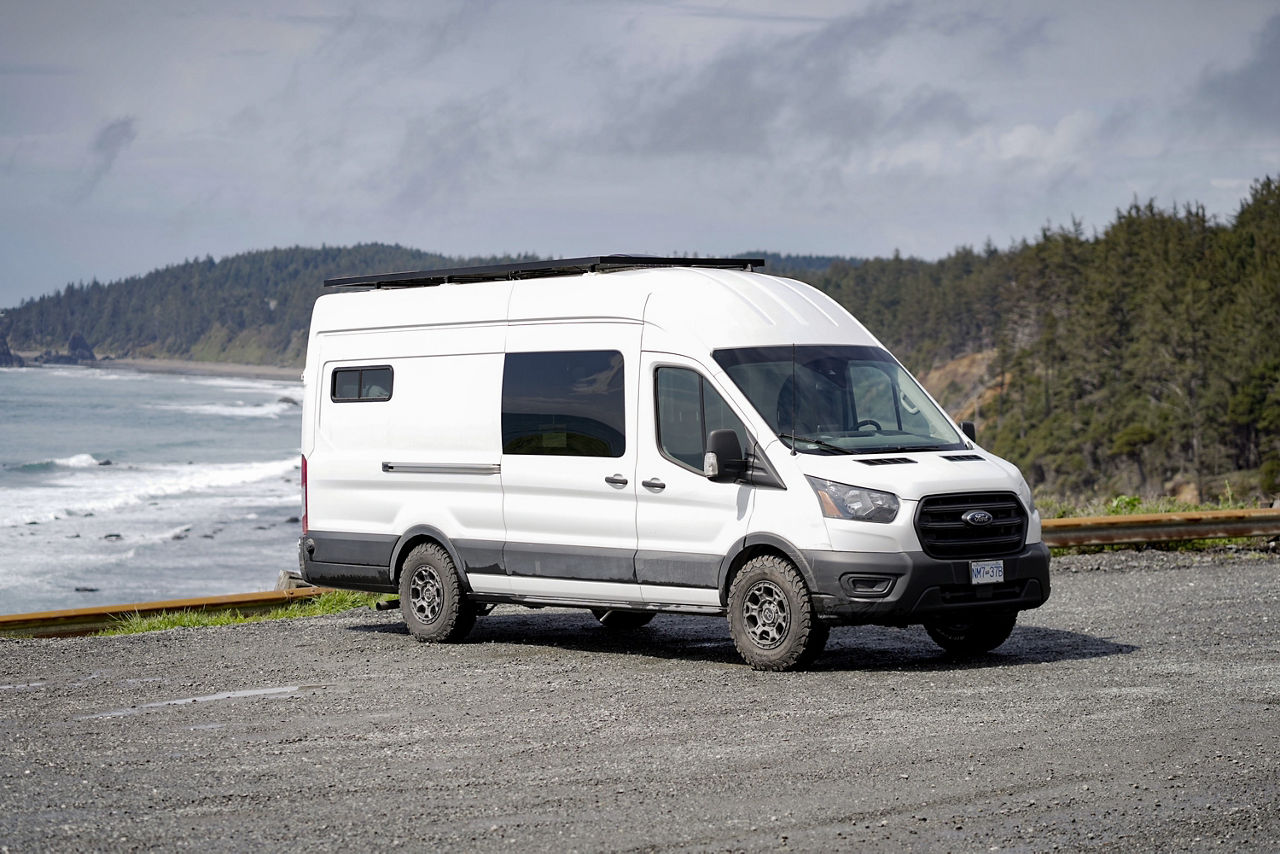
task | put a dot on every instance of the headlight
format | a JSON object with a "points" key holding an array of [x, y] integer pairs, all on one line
{"points": [[841, 501]]}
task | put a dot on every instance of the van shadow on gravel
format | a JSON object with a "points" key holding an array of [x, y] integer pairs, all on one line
{"points": [[694, 638]]}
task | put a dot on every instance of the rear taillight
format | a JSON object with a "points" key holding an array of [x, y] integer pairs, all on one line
{"points": [[304, 495]]}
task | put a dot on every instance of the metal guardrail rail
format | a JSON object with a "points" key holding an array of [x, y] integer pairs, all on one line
{"points": [[84, 621], [1094, 531], [1161, 527]]}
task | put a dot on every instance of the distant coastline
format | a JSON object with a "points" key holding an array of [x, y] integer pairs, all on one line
{"points": [[186, 367]]}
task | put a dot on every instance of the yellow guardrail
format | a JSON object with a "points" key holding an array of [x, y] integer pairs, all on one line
{"points": [[84, 621], [1161, 527]]}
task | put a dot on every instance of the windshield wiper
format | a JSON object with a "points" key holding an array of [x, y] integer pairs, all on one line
{"points": [[819, 442]]}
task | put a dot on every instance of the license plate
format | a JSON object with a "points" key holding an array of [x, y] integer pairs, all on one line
{"points": [[986, 571]]}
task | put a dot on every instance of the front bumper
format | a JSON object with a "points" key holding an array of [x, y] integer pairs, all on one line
{"points": [[897, 589]]}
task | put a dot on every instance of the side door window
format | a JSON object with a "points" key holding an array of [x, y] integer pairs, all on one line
{"points": [[564, 404], [687, 410]]}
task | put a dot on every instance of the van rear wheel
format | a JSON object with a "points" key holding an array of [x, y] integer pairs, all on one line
{"points": [[771, 616], [622, 621], [431, 597], [979, 634]]}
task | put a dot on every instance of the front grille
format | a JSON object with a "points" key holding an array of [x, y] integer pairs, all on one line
{"points": [[946, 536]]}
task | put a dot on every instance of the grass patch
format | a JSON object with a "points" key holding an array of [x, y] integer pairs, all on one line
{"points": [[1133, 505], [333, 602]]}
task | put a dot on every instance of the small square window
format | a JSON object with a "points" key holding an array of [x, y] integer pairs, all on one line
{"points": [[352, 384]]}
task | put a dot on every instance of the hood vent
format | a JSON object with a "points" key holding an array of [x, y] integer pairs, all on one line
{"points": [[965, 458], [886, 461]]}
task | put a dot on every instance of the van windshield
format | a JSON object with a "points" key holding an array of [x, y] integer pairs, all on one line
{"points": [[839, 399]]}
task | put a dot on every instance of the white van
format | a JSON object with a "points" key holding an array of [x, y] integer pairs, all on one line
{"points": [[636, 435]]}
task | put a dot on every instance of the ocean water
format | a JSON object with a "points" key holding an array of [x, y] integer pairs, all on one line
{"points": [[119, 486]]}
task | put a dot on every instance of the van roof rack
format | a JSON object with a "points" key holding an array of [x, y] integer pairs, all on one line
{"points": [[535, 269]]}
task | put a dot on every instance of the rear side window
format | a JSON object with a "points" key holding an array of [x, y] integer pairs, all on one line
{"points": [[351, 384], [567, 403]]}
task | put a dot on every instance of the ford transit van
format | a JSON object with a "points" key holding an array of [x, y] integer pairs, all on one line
{"points": [[637, 435]]}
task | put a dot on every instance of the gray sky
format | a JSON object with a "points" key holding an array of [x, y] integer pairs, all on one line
{"points": [[138, 134]]}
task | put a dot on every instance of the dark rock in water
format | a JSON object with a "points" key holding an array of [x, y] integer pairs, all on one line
{"points": [[86, 590], [114, 538], [79, 349], [288, 400], [104, 462], [292, 520], [8, 358], [33, 523]]}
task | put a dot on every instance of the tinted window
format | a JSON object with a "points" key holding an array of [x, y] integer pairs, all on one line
{"points": [[564, 404], [688, 409], [361, 384]]}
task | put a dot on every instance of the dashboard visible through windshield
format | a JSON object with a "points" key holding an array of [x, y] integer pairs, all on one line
{"points": [[839, 399]]}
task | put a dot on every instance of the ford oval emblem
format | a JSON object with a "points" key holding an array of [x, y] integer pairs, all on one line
{"points": [[978, 518]]}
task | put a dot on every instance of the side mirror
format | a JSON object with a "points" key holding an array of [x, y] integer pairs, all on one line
{"points": [[723, 462], [967, 428]]}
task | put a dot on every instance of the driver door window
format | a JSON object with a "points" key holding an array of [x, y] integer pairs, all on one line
{"points": [[687, 409]]}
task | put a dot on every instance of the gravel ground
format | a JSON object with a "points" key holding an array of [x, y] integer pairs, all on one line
{"points": [[1139, 710]]}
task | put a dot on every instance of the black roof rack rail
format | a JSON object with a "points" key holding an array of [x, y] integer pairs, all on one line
{"points": [[535, 269]]}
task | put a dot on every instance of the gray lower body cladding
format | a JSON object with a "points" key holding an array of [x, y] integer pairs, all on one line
{"points": [[850, 588]]}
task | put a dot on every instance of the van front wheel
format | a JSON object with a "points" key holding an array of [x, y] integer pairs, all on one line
{"points": [[431, 597], [771, 617]]}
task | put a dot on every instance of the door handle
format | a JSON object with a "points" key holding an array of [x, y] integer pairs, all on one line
{"points": [[654, 484], [616, 480]]}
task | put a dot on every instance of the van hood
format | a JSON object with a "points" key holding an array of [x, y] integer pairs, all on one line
{"points": [[913, 475]]}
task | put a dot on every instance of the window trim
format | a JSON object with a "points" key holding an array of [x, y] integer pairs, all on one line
{"points": [[360, 369]]}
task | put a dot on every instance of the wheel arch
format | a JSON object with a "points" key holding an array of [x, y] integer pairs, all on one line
{"points": [[416, 536], [754, 545]]}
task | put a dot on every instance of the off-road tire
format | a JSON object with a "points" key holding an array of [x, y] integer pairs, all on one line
{"points": [[979, 634], [431, 597], [622, 621], [771, 616]]}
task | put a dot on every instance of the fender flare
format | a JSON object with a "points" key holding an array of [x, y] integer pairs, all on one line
{"points": [[773, 541], [418, 532]]}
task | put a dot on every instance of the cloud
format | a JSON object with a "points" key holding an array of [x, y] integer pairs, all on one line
{"points": [[758, 99], [113, 138], [1247, 97]]}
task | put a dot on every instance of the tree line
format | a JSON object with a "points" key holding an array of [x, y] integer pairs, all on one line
{"points": [[1124, 360]]}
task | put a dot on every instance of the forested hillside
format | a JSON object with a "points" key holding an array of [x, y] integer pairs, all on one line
{"points": [[253, 308], [1127, 361], [1142, 359]]}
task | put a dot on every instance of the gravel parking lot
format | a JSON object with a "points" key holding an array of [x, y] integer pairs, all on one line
{"points": [[1138, 710]]}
